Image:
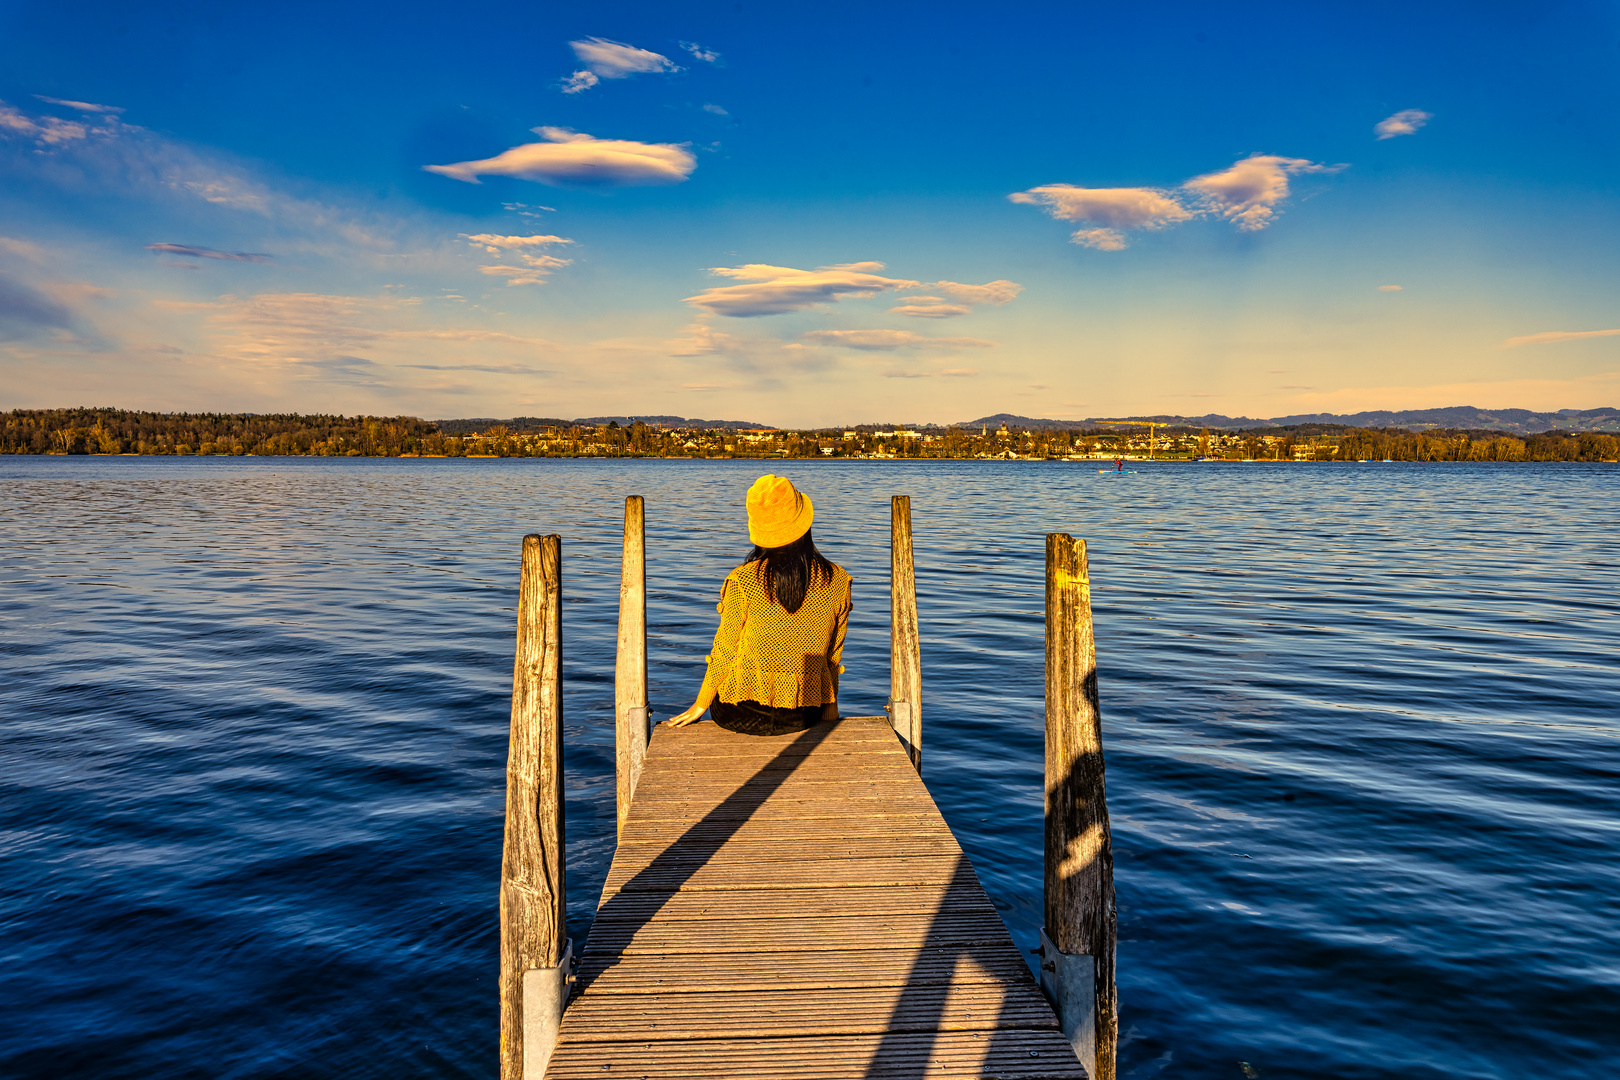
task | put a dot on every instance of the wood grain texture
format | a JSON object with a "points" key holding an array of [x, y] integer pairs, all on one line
{"points": [[767, 904], [829, 931], [842, 1010], [532, 904], [1022, 1055], [905, 650], [828, 969], [808, 922], [1080, 909], [637, 857], [787, 829], [631, 727]]}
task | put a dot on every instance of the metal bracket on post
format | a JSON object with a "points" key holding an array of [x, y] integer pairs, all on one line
{"points": [[639, 715], [900, 719], [545, 995], [1069, 981]]}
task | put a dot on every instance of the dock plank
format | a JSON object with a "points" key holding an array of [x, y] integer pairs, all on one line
{"points": [[797, 907], [639, 973], [777, 904], [1024, 1055], [771, 935]]}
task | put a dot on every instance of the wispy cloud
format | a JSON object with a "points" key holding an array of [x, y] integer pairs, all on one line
{"points": [[707, 56], [891, 340], [494, 242], [764, 358], [21, 249], [715, 109], [579, 82], [1389, 288], [480, 336], [534, 271], [929, 307], [535, 267], [616, 60], [343, 370], [1551, 336], [700, 339], [1118, 208], [48, 131], [948, 373], [527, 210], [941, 307], [191, 251], [1247, 194], [779, 289], [82, 106], [1109, 211], [102, 155], [496, 369], [1100, 239], [1405, 122], [26, 312], [340, 338], [991, 292], [604, 59], [571, 158]]}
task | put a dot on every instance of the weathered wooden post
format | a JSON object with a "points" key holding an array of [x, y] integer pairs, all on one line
{"points": [[535, 955], [631, 726], [905, 656], [1078, 942]]}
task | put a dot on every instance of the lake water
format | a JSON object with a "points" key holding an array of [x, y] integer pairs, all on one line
{"points": [[1362, 727]]}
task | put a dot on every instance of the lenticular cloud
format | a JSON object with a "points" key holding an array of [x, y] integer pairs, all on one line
{"points": [[573, 159], [776, 290]]}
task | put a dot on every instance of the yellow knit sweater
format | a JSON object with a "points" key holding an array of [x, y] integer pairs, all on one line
{"points": [[762, 653]]}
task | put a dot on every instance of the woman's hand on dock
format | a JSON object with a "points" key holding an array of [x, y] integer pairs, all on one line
{"points": [[687, 717], [705, 698]]}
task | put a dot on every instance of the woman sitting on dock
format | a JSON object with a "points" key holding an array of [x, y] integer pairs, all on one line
{"points": [[776, 659]]}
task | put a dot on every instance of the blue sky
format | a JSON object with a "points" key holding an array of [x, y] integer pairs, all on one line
{"points": [[854, 212]]}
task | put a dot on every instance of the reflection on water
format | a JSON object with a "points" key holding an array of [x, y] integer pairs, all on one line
{"points": [[1360, 722]]}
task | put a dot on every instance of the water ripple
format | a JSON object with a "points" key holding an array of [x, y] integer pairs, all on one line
{"points": [[1360, 729]]}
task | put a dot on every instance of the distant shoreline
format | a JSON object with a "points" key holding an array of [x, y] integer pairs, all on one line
{"points": [[78, 432], [1131, 461]]}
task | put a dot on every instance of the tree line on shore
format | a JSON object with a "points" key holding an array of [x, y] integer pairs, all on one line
{"points": [[118, 431], [1362, 444]]}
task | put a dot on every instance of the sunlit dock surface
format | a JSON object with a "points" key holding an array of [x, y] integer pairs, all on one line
{"points": [[797, 907]]}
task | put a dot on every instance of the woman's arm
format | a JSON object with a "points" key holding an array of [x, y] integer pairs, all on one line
{"points": [[705, 698], [835, 655], [733, 612]]}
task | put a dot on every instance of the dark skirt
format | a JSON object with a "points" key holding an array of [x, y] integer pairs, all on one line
{"points": [[752, 718]]}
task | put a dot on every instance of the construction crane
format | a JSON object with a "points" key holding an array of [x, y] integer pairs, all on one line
{"points": [[1149, 424]]}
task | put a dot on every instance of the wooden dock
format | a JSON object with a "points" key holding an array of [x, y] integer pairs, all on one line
{"points": [[796, 907]]}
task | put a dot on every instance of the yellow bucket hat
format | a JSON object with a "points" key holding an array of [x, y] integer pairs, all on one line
{"points": [[778, 513]]}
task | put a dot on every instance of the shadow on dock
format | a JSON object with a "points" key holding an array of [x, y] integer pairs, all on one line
{"points": [[632, 906]]}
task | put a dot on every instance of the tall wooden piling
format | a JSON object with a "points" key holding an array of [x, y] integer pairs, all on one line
{"points": [[1078, 960], [533, 905], [631, 725], [905, 655]]}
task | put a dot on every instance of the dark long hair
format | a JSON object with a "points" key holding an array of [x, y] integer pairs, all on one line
{"points": [[791, 569]]}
